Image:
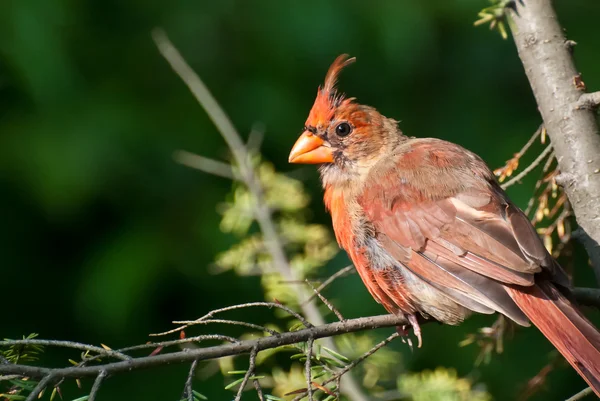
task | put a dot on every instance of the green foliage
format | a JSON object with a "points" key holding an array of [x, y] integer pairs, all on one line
{"points": [[22, 353], [17, 389], [495, 15], [309, 246], [439, 385]]}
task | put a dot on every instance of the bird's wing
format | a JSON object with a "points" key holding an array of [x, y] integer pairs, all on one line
{"points": [[459, 232]]}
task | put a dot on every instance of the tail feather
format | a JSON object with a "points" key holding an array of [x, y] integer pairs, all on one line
{"points": [[564, 326]]}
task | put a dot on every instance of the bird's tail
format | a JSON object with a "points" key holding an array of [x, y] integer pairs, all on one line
{"points": [[567, 329]]}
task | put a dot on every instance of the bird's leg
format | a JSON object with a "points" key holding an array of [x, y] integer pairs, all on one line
{"points": [[412, 318], [403, 331]]}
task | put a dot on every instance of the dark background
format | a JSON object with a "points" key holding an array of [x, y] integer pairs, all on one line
{"points": [[104, 238]]}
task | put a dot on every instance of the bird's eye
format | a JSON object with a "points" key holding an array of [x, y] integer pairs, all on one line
{"points": [[343, 129]]}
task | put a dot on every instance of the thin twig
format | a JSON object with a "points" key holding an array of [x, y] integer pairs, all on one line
{"points": [[353, 364], [588, 101], [187, 340], [165, 344], [41, 386], [363, 357], [187, 389], [9, 377], [248, 305], [307, 368], [258, 389], [331, 279], [529, 168], [240, 154], [97, 384], [326, 302], [237, 323], [68, 344], [582, 394], [205, 164], [538, 184], [249, 373], [213, 352], [530, 141]]}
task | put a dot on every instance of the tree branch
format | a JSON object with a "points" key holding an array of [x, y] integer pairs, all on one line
{"points": [[557, 87], [262, 212], [588, 101], [201, 354]]}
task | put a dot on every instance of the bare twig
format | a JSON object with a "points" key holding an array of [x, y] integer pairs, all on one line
{"points": [[307, 368], [187, 340], [188, 389], [538, 184], [513, 163], [248, 305], [353, 364], [363, 357], [224, 321], [529, 168], [205, 164], [582, 394], [37, 390], [588, 101], [68, 344], [9, 377], [531, 140], [340, 273], [97, 384], [326, 302], [249, 373], [202, 354], [240, 154], [258, 389]]}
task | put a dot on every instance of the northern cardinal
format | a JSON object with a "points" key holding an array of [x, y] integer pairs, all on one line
{"points": [[431, 232]]}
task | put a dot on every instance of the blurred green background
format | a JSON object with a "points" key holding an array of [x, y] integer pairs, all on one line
{"points": [[104, 238]]}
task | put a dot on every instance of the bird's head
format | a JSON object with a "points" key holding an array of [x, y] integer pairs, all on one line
{"points": [[344, 137]]}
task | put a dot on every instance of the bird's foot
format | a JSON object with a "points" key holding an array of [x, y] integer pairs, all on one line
{"points": [[404, 331], [412, 318]]}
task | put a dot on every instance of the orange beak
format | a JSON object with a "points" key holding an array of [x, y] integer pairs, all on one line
{"points": [[310, 149]]}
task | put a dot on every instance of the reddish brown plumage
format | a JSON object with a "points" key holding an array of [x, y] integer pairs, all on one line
{"points": [[430, 231]]}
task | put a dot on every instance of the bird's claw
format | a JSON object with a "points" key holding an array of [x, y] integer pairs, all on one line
{"points": [[412, 318], [404, 332]]}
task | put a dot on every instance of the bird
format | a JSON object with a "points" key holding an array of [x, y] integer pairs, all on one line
{"points": [[430, 231]]}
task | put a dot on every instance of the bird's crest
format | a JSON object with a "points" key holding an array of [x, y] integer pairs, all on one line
{"points": [[328, 98]]}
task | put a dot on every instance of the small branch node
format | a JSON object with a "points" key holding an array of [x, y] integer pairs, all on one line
{"points": [[588, 101], [564, 179]]}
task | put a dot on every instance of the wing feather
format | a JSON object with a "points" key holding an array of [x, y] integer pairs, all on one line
{"points": [[469, 241]]}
